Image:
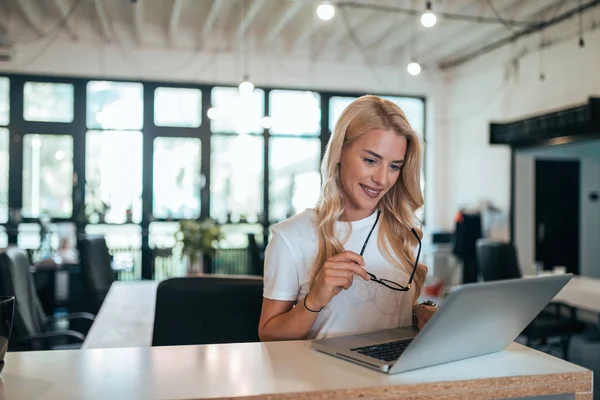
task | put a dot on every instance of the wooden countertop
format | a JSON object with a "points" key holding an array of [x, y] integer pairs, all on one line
{"points": [[279, 370]]}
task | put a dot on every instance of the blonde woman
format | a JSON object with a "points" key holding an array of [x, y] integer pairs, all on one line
{"points": [[348, 265]]}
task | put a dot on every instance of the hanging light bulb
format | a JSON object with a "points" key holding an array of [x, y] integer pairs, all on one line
{"points": [[325, 10], [413, 68], [428, 18], [267, 122], [213, 113], [246, 87]]}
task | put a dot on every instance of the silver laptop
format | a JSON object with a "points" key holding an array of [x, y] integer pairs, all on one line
{"points": [[474, 320]]}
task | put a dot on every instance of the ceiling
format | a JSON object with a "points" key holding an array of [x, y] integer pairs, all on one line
{"points": [[375, 31]]}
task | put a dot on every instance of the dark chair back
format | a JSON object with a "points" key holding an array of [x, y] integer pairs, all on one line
{"points": [[207, 310], [96, 268], [256, 258], [16, 280], [497, 260]]}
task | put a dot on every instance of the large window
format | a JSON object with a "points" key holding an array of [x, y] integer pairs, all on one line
{"points": [[48, 102], [115, 105], [236, 189], [3, 175], [294, 183], [4, 103], [295, 112], [177, 107], [233, 112], [47, 175], [113, 175], [177, 178]]}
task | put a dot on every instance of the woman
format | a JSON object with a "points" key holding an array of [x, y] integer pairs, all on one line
{"points": [[345, 266]]}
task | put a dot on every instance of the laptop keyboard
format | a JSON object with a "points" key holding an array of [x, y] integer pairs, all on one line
{"points": [[384, 351]]}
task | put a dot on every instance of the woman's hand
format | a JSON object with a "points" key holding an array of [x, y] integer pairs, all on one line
{"points": [[336, 274], [424, 314]]}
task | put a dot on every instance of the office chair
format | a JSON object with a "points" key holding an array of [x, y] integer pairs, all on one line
{"points": [[32, 329], [498, 261], [207, 310], [96, 267]]}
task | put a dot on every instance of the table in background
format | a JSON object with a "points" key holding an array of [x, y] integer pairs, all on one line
{"points": [[126, 317]]}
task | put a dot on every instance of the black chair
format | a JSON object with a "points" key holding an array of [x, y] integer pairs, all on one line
{"points": [[257, 256], [32, 329], [207, 310], [96, 267], [498, 261]]}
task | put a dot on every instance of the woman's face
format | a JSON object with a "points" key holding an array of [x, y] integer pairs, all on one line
{"points": [[368, 169]]}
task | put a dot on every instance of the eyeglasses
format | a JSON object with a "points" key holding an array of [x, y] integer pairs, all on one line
{"points": [[386, 282]]}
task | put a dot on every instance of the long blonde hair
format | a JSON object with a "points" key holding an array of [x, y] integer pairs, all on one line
{"points": [[397, 206]]}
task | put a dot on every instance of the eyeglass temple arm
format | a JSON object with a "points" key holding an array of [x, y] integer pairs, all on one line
{"points": [[417, 259]]}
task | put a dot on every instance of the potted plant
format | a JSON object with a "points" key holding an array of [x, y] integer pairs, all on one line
{"points": [[198, 238]]}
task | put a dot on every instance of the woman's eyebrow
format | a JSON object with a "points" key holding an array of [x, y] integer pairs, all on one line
{"points": [[380, 157]]}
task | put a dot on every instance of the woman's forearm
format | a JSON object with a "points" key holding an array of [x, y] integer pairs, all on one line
{"points": [[291, 325]]}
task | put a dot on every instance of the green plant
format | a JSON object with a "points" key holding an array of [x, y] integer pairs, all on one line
{"points": [[198, 237]]}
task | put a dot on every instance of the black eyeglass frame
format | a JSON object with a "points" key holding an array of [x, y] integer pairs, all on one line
{"points": [[386, 282]]}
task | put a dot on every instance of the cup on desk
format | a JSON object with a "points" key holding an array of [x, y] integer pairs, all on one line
{"points": [[7, 309]]}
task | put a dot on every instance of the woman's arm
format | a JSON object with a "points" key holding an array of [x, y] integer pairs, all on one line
{"points": [[280, 320]]}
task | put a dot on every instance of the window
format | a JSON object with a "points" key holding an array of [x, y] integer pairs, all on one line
{"points": [[48, 102], [233, 112], [294, 176], [113, 176], [4, 101], [177, 178], [236, 185], [3, 174], [337, 105], [47, 175], [114, 105], [124, 243], [295, 112], [178, 107]]}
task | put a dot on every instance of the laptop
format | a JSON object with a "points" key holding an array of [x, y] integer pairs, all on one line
{"points": [[474, 320]]}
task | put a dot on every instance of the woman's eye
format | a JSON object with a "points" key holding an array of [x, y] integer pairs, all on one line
{"points": [[370, 161], [395, 167]]}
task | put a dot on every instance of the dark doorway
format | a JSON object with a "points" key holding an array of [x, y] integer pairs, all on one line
{"points": [[557, 188]]}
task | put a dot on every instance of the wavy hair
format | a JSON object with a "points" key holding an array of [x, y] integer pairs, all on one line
{"points": [[398, 205]]}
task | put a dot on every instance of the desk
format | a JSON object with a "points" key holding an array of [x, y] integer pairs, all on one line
{"points": [[126, 317], [279, 370], [581, 292]]}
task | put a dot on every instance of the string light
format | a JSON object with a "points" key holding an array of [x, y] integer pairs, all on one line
{"points": [[428, 18], [325, 10]]}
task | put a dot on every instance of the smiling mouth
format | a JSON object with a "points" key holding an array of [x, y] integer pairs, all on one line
{"points": [[370, 192]]}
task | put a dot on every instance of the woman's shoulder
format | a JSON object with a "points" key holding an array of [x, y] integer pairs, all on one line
{"points": [[298, 225]]}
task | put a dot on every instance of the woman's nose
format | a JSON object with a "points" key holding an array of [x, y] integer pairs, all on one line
{"points": [[379, 176]]}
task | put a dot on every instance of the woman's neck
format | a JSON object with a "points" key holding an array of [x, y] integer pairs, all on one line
{"points": [[356, 215]]}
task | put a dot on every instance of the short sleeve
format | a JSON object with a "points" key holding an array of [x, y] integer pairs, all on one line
{"points": [[281, 270]]}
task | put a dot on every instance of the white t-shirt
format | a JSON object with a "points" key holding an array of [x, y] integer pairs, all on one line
{"points": [[365, 306]]}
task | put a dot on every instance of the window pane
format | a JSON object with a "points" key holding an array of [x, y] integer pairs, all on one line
{"points": [[113, 176], [177, 179], [237, 113], [166, 254], [4, 101], [114, 105], [337, 105], [47, 175], [124, 243], [3, 174], [48, 102], [28, 236], [178, 107], [236, 185], [3, 238], [295, 181], [295, 112], [414, 109]]}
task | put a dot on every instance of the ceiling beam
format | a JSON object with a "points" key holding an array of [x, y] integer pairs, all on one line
{"points": [[31, 16], [174, 20], [138, 21], [216, 6], [251, 13], [103, 19], [66, 9], [290, 12], [525, 32]]}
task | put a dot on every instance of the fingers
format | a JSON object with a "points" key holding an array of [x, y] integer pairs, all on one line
{"points": [[348, 256], [347, 266]]}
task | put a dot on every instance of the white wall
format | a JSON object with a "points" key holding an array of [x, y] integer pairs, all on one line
{"points": [[501, 86], [588, 154]]}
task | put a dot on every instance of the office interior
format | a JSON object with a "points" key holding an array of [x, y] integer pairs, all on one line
{"points": [[128, 125]]}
